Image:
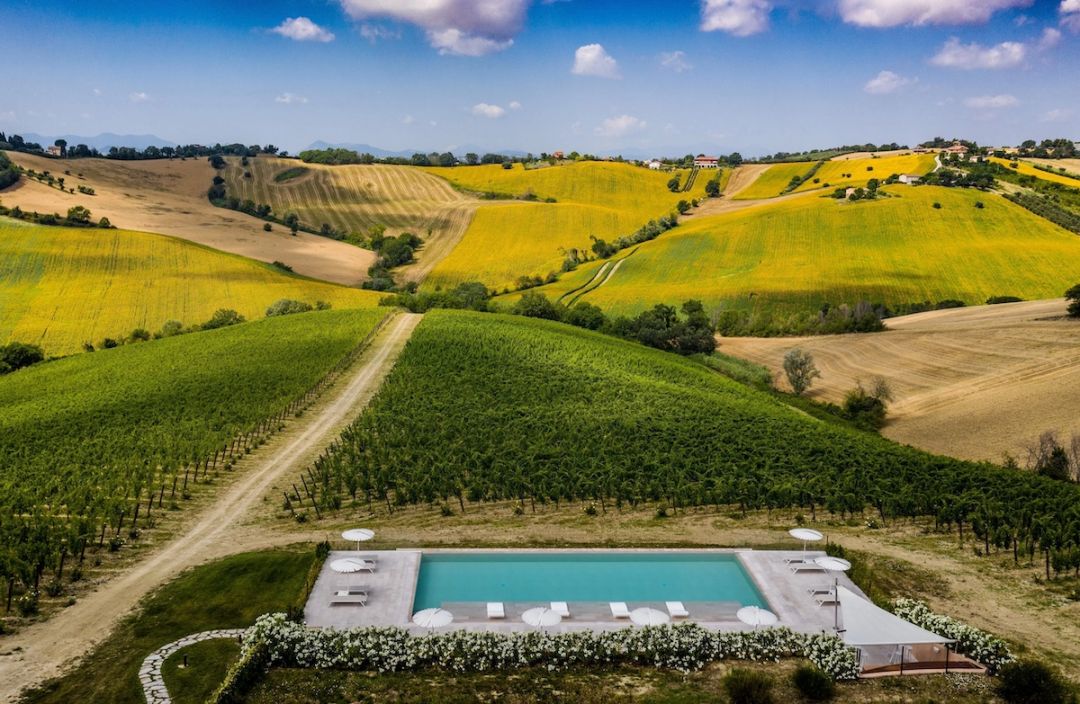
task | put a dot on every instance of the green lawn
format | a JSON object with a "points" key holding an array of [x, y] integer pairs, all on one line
{"points": [[230, 593]]}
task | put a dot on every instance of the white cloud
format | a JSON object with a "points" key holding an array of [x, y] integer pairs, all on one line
{"points": [[514, 105], [290, 99], [462, 27], [991, 102], [738, 17], [302, 29], [408, 120], [620, 126], [1056, 115], [1049, 39], [1070, 14], [974, 55], [376, 32], [892, 13], [139, 97], [492, 112], [7, 116], [676, 61], [887, 82], [593, 60], [97, 91]]}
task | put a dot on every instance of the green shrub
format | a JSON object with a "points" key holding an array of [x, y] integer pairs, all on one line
{"points": [[1032, 682], [748, 687], [813, 684]]}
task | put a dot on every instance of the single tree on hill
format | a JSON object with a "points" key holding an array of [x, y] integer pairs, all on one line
{"points": [[800, 370], [1073, 297]]}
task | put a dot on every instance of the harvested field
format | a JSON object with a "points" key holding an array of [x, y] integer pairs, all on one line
{"points": [[770, 181], [974, 383], [867, 155], [169, 197], [354, 197]]}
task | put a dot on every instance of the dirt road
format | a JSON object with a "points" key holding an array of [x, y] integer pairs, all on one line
{"points": [[972, 382], [43, 650]]}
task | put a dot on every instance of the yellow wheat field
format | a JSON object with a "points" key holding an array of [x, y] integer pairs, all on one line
{"points": [[511, 238], [1024, 168], [61, 287]]}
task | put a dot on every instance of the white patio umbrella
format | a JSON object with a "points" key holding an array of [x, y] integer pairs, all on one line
{"points": [[836, 565], [646, 616], [756, 616], [433, 618], [541, 617], [806, 535], [358, 535], [347, 565]]}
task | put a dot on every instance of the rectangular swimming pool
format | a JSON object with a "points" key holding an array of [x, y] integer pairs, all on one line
{"points": [[583, 576]]}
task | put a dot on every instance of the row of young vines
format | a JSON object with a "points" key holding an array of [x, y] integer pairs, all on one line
{"points": [[486, 407], [94, 447]]}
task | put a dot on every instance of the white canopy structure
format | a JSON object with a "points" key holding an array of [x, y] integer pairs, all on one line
{"points": [[358, 535], [806, 535], [867, 624], [433, 618], [541, 617], [756, 616]]}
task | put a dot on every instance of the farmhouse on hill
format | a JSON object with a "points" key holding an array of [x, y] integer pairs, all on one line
{"points": [[909, 179], [53, 150], [654, 164], [956, 148], [558, 154], [706, 162]]}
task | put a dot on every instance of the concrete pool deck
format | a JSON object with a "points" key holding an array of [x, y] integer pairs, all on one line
{"points": [[392, 586]]}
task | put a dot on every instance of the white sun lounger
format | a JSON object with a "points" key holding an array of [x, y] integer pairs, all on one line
{"points": [[495, 610], [797, 567], [826, 599], [676, 609], [817, 591], [796, 560], [345, 596], [619, 610], [561, 608]]}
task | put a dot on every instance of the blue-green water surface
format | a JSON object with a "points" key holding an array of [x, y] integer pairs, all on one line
{"points": [[599, 576]]}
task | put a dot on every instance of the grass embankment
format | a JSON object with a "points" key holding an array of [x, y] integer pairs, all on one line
{"points": [[61, 287], [794, 256], [614, 685], [512, 238], [230, 593], [353, 197]]}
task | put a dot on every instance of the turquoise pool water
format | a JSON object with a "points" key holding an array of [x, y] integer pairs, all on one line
{"points": [[555, 576]]}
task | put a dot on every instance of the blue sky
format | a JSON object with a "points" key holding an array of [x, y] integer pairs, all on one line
{"points": [[660, 77]]}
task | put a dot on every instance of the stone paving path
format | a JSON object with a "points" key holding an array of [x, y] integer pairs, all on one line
{"points": [[150, 672]]}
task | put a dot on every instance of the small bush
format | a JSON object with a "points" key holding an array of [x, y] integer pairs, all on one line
{"points": [[1032, 682], [813, 684], [937, 206], [748, 687]]}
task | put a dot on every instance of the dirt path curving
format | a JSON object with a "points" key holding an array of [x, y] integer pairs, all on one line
{"points": [[43, 650]]}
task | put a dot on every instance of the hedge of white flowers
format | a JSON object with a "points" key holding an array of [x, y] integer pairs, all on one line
{"points": [[978, 645], [683, 647]]}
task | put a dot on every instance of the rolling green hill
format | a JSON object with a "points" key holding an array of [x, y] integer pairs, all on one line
{"points": [[486, 407], [795, 255], [512, 238]]}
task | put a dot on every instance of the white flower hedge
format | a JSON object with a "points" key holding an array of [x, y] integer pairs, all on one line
{"points": [[978, 645], [683, 647]]}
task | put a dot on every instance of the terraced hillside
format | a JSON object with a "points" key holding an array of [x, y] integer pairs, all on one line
{"points": [[511, 238], [804, 251], [61, 287], [354, 197], [168, 196]]}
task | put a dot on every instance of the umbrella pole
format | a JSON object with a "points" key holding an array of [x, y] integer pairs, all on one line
{"points": [[836, 604], [946, 658]]}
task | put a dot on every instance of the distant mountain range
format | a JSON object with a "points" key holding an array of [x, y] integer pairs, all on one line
{"points": [[102, 142], [406, 153]]}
